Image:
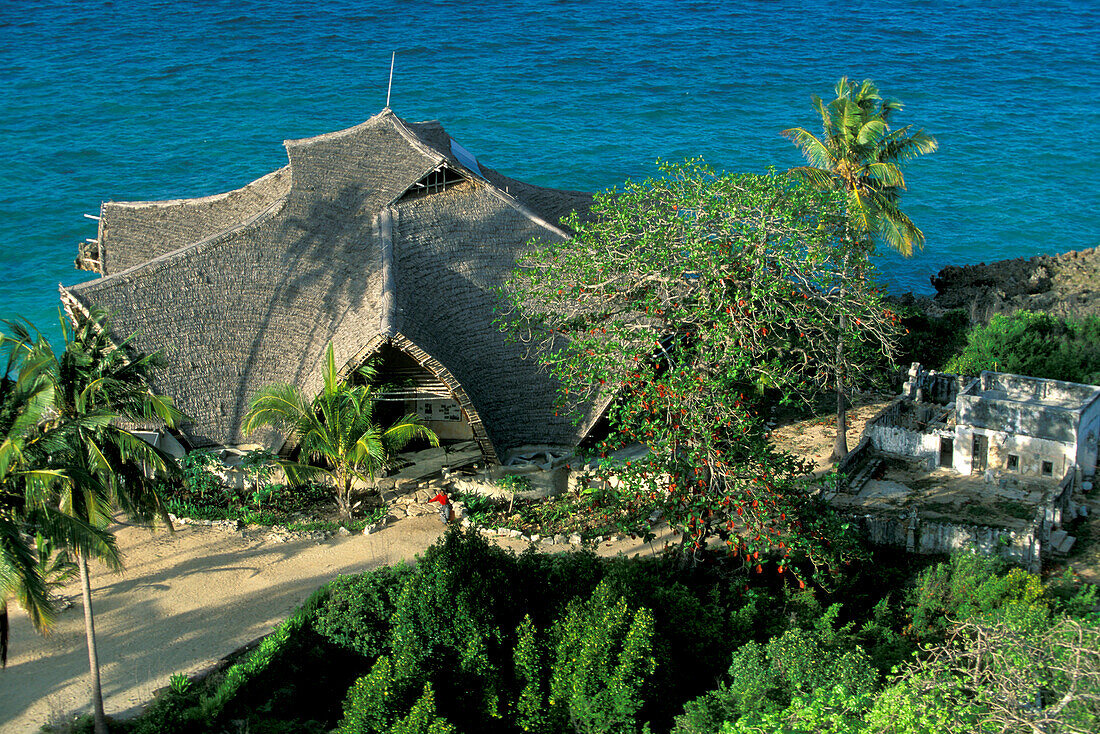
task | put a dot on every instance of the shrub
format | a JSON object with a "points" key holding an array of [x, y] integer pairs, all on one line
{"points": [[931, 340], [818, 667], [527, 658], [356, 614], [422, 719], [1034, 344], [972, 586], [602, 660], [372, 702], [449, 618]]}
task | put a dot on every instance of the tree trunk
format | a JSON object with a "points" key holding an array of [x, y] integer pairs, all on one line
{"points": [[840, 446], [343, 499], [93, 656], [3, 633]]}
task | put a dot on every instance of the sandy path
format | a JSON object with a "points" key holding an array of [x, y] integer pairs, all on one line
{"points": [[184, 601]]}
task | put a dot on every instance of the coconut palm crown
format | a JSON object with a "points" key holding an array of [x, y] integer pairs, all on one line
{"points": [[335, 431], [859, 153]]}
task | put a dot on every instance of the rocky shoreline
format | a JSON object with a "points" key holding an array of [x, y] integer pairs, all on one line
{"points": [[1066, 285]]}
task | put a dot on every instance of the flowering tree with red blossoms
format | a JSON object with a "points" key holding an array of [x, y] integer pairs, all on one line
{"points": [[678, 304]]}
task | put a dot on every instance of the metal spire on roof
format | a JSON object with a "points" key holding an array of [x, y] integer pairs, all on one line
{"points": [[389, 87]]}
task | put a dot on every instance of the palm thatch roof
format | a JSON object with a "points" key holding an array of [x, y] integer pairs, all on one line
{"points": [[385, 233]]}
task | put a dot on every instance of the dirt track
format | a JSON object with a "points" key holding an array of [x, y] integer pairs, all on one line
{"points": [[185, 601]]}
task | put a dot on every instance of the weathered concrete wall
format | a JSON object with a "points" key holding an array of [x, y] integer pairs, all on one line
{"points": [[1088, 439], [916, 535], [894, 440], [1029, 419], [1030, 452]]}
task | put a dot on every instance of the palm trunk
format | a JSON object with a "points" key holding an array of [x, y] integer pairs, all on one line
{"points": [[4, 629], [343, 499], [840, 446], [93, 656]]}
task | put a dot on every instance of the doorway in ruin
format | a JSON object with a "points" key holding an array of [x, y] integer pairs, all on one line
{"points": [[403, 387], [980, 453]]}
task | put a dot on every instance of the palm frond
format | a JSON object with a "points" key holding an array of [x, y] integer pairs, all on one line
{"points": [[282, 407], [397, 436], [816, 153]]}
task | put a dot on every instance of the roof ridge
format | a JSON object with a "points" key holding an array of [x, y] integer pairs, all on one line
{"points": [[197, 199], [160, 260], [339, 133]]}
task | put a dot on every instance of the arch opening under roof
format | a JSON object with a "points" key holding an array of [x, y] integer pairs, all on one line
{"points": [[412, 381]]}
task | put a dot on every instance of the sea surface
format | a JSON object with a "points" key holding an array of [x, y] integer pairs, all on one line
{"points": [[157, 100]]}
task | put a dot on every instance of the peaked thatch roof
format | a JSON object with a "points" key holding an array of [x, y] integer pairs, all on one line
{"points": [[245, 289]]}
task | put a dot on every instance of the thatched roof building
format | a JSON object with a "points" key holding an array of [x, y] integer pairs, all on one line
{"points": [[384, 236]]}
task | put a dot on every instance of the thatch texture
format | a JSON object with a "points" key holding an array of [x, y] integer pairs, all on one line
{"points": [[245, 289]]}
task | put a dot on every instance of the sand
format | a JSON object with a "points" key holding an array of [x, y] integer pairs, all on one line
{"points": [[184, 601]]}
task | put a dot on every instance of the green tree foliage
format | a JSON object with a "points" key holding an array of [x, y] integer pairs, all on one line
{"points": [[1033, 344], [372, 704], [335, 431], [801, 664], [602, 660], [678, 302], [357, 612], [971, 587], [858, 153], [931, 340], [422, 718], [530, 707]]}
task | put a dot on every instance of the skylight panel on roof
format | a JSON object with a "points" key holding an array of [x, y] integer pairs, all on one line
{"points": [[466, 158]]}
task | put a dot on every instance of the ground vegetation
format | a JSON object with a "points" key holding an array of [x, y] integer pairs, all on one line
{"points": [[476, 638], [1035, 344]]}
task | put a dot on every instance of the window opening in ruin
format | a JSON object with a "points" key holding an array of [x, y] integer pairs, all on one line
{"points": [[980, 451], [440, 179], [1048, 468], [947, 451], [1013, 462]]}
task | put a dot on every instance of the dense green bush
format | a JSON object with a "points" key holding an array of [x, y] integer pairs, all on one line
{"points": [[477, 639], [975, 587], [356, 614], [1033, 344], [931, 340], [602, 659], [803, 661]]}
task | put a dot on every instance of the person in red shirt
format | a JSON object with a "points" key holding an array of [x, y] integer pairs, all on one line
{"points": [[446, 512]]}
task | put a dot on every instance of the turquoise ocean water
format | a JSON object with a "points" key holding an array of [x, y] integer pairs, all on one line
{"points": [[140, 101]]}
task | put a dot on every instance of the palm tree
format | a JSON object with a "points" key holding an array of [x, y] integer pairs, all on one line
{"points": [[99, 384], [335, 431], [31, 528], [859, 154]]}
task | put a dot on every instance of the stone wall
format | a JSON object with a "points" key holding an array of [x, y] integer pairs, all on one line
{"points": [[917, 535]]}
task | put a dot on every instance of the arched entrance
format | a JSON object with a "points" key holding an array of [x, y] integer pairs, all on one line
{"points": [[405, 387], [415, 382]]}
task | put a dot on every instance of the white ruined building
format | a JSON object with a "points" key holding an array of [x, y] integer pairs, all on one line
{"points": [[997, 462]]}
